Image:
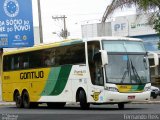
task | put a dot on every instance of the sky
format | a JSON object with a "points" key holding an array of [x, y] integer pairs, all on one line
{"points": [[78, 12]]}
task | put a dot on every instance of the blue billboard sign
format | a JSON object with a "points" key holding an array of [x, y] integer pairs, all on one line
{"points": [[16, 23]]}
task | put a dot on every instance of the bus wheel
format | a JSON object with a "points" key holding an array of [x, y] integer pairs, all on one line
{"points": [[56, 104], [155, 96], [121, 106], [18, 100], [83, 100], [26, 100]]}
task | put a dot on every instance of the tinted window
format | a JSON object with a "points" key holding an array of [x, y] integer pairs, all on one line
{"points": [[73, 54]]}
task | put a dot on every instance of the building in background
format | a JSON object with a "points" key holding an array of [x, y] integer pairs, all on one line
{"points": [[96, 30], [136, 26]]}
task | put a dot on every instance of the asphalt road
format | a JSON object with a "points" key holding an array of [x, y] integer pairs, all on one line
{"points": [[73, 112]]}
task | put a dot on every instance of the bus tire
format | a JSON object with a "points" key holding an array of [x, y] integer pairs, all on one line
{"points": [[155, 96], [26, 100], [83, 100], [121, 106], [18, 100], [56, 104]]}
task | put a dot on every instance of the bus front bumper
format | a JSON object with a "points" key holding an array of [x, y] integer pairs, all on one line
{"points": [[127, 97]]}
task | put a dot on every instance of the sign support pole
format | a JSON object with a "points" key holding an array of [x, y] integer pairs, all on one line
{"points": [[40, 21]]}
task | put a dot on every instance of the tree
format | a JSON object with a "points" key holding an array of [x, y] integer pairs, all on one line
{"points": [[142, 6], [157, 25], [157, 28]]}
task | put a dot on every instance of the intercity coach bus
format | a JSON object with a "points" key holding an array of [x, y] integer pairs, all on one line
{"points": [[104, 70]]}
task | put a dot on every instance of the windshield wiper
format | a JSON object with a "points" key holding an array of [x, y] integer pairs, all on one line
{"points": [[137, 77], [130, 67], [126, 71], [124, 76]]}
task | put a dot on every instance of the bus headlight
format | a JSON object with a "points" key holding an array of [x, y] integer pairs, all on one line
{"points": [[111, 89], [147, 88]]}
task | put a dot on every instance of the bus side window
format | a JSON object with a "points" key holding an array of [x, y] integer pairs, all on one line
{"points": [[25, 61], [35, 59], [7, 63], [16, 62], [12, 63], [20, 62], [47, 61], [52, 57], [25, 64], [95, 63]]}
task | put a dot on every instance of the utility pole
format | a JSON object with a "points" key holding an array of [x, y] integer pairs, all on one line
{"points": [[64, 32], [40, 21]]}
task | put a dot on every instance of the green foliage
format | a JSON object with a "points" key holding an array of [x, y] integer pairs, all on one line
{"points": [[157, 25], [141, 5], [158, 45], [157, 28]]}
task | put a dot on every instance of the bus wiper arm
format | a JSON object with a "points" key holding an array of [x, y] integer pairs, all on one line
{"points": [[126, 71], [124, 76], [137, 77]]}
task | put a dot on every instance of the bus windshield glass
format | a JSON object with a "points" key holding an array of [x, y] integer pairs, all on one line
{"points": [[127, 63], [123, 46]]}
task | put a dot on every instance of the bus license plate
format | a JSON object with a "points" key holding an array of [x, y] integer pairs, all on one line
{"points": [[131, 97]]}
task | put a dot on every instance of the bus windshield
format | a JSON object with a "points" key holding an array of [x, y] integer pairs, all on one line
{"points": [[127, 69], [124, 46], [127, 63]]}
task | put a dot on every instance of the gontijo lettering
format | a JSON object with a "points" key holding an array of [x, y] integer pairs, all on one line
{"points": [[32, 75]]}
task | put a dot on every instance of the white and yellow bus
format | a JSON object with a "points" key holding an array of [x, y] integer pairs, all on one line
{"points": [[105, 70]]}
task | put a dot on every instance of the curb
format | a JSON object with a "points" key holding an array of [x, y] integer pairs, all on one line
{"points": [[146, 102], [6, 103]]}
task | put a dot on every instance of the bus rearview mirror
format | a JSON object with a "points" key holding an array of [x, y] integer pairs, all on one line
{"points": [[104, 56], [155, 57]]}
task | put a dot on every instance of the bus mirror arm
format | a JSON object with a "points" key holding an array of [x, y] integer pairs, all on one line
{"points": [[155, 57], [104, 57]]}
